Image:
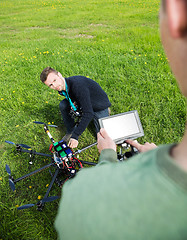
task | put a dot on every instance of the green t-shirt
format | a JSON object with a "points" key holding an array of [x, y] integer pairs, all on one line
{"points": [[144, 198]]}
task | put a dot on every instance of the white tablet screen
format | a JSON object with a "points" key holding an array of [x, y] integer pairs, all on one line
{"points": [[123, 126]]}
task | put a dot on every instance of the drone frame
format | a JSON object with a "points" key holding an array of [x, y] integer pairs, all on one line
{"points": [[54, 163]]}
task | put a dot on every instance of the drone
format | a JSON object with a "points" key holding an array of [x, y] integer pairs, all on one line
{"points": [[63, 159]]}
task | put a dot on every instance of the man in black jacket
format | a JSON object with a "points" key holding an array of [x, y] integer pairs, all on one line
{"points": [[82, 96]]}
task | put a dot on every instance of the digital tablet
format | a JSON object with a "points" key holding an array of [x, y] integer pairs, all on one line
{"points": [[123, 126]]}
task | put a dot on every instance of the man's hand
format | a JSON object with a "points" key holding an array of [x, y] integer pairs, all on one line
{"points": [[104, 141], [73, 143], [141, 148]]}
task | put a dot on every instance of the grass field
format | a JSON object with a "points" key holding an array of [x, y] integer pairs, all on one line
{"points": [[114, 42]]}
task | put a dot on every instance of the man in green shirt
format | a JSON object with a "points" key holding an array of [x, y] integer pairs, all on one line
{"points": [[146, 197]]}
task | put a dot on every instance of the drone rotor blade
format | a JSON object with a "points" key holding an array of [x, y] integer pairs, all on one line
{"points": [[24, 146], [49, 199], [12, 185], [38, 122], [26, 206], [45, 124], [53, 126], [8, 169], [10, 142]]}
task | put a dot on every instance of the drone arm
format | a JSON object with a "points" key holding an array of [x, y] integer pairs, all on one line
{"points": [[88, 163], [34, 153], [48, 133], [79, 151], [34, 172], [51, 184]]}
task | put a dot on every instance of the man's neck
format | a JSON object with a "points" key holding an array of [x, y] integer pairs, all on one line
{"points": [[179, 153]]}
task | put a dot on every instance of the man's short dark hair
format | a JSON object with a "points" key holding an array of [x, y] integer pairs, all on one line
{"points": [[46, 72]]}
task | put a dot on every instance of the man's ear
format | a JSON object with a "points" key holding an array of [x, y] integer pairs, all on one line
{"points": [[60, 75], [177, 17]]}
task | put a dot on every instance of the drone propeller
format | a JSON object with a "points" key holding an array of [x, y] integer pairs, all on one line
{"points": [[26, 206], [12, 185], [45, 124], [22, 145], [8, 169], [44, 200], [11, 182]]}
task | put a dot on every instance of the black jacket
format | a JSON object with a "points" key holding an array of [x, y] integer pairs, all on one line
{"points": [[89, 96]]}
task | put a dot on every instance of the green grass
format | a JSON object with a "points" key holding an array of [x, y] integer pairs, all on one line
{"points": [[114, 42]]}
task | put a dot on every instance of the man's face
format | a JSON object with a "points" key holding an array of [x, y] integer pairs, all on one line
{"points": [[55, 81], [172, 20]]}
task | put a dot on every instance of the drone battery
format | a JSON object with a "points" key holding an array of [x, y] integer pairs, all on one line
{"points": [[63, 154], [59, 146], [68, 152]]}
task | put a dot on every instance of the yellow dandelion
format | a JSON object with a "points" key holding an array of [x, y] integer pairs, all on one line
{"points": [[131, 50], [47, 185], [46, 101], [17, 206], [34, 56], [39, 197], [49, 123], [1, 178], [30, 186], [22, 102], [13, 91], [145, 63], [17, 125], [2, 98]]}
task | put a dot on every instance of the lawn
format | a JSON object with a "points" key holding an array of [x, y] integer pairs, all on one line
{"points": [[114, 42]]}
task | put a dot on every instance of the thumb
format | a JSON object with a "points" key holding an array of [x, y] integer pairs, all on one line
{"points": [[104, 133]]}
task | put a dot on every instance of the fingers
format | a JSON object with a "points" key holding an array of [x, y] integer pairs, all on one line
{"points": [[104, 141], [103, 133], [133, 143], [73, 143], [141, 147]]}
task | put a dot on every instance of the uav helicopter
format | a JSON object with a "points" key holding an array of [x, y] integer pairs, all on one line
{"points": [[62, 159]]}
